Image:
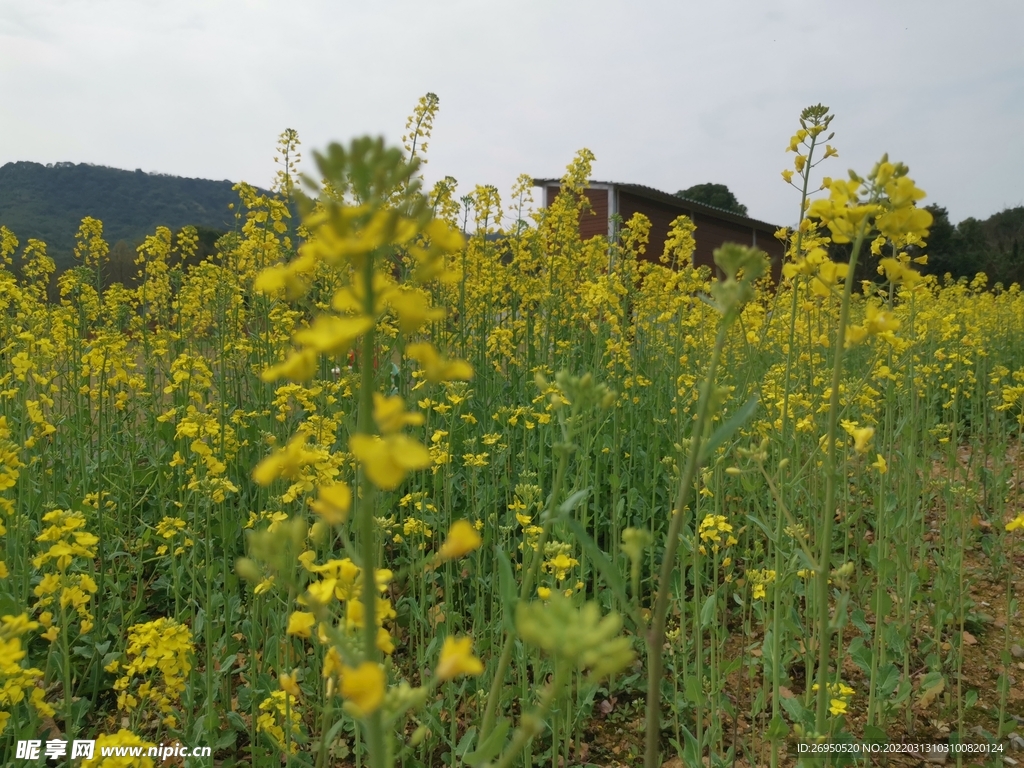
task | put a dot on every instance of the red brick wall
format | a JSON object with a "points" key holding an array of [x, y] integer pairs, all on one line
{"points": [[661, 217], [710, 234], [593, 222]]}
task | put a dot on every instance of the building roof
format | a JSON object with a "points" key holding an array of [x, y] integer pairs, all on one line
{"points": [[657, 195]]}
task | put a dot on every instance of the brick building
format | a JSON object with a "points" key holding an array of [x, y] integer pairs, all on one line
{"points": [[715, 226]]}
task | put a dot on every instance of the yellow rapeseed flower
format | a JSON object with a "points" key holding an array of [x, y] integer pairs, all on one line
{"points": [[123, 738], [288, 684], [390, 415], [387, 460], [300, 623], [457, 659], [462, 539], [285, 462], [436, 368], [331, 334], [298, 366], [861, 438], [413, 309], [861, 435], [363, 687], [333, 503]]}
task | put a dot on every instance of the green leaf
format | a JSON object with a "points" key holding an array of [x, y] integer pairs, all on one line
{"points": [[875, 735], [728, 667], [886, 569], [466, 742], [707, 612], [859, 620], [507, 589], [692, 687], [888, 681], [724, 432], [777, 729], [798, 712], [227, 739], [861, 655], [573, 501], [903, 692], [605, 567], [491, 746], [763, 526], [236, 721]]}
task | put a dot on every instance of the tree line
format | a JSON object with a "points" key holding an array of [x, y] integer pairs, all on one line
{"points": [[993, 246]]}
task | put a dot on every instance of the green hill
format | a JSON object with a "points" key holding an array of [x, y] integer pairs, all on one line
{"points": [[48, 202]]}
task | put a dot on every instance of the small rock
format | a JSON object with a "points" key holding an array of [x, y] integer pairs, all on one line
{"points": [[1017, 651]]}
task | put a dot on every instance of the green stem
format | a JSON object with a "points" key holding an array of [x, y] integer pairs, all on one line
{"points": [[365, 516], [487, 724], [534, 721], [828, 511], [65, 650], [656, 634]]}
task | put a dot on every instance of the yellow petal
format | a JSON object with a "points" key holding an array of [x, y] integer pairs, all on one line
{"points": [[333, 503], [413, 310], [332, 334], [462, 539], [436, 368], [298, 366], [457, 659], [300, 623], [363, 687], [388, 460]]}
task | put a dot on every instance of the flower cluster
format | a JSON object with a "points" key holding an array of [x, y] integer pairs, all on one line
{"points": [[159, 659], [279, 711], [712, 529], [339, 590], [839, 697], [18, 683], [125, 739], [63, 587], [759, 580]]}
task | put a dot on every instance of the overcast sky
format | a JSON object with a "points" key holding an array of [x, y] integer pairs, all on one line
{"points": [[667, 94]]}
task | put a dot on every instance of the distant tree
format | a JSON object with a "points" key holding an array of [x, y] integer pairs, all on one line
{"points": [[961, 251], [121, 266], [973, 251], [941, 246], [717, 195], [1005, 235]]}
